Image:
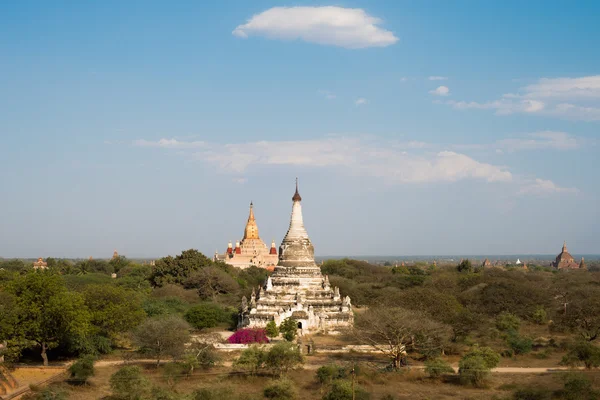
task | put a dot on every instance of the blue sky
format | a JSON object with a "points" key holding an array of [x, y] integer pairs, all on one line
{"points": [[415, 128]]}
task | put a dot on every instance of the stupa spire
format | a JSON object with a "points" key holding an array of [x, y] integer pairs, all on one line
{"points": [[564, 249], [251, 230], [296, 248]]}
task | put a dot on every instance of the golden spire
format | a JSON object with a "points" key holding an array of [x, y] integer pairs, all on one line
{"points": [[251, 231]]}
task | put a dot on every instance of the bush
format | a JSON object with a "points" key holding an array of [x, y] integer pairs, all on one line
{"points": [[272, 330], [82, 370], [532, 394], [582, 352], [520, 344], [476, 365], [578, 387], [282, 389], [283, 357], [329, 373], [342, 390], [289, 329], [540, 316], [248, 336], [49, 393], [506, 321], [251, 360], [438, 367], [220, 393], [129, 383], [207, 315]]}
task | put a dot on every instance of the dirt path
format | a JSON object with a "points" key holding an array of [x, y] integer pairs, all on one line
{"points": [[314, 366]]}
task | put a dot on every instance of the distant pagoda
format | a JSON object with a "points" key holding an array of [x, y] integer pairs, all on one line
{"points": [[565, 260], [251, 250], [297, 289]]}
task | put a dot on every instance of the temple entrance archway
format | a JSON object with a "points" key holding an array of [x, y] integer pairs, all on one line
{"points": [[299, 325]]}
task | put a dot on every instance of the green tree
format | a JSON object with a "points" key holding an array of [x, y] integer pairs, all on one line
{"points": [[82, 370], [437, 367], [283, 357], [475, 366], [178, 269], [118, 263], [506, 321], [205, 315], [289, 329], [540, 316], [465, 266], [113, 310], [210, 282], [129, 383], [47, 312], [281, 389], [163, 336], [271, 329], [394, 331], [578, 387], [342, 390], [582, 352], [329, 373], [251, 360]]}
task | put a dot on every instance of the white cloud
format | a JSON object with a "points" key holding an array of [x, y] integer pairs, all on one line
{"points": [[169, 143], [338, 26], [440, 91], [360, 101], [357, 157], [327, 94], [437, 78], [569, 98], [542, 186], [540, 140]]}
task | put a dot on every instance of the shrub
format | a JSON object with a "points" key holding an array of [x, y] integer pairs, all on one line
{"points": [[248, 336], [540, 316], [582, 352], [272, 330], [221, 393], [532, 394], [172, 372], [289, 329], [251, 360], [82, 370], [476, 365], [283, 357], [342, 390], [49, 393], [329, 373], [438, 367], [578, 387], [506, 321], [129, 383], [282, 389], [207, 315], [520, 344]]}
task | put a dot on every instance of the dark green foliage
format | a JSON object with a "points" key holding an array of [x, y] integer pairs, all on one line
{"points": [[49, 393], [218, 393], [178, 269], [532, 394], [475, 366], [82, 370], [281, 389], [211, 281], [164, 306], [519, 344], [251, 360], [465, 266], [272, 330], [283, 357], [206, 315], [289, 329], [79, 282], [540, 316], [506, 321], [342, 390], [578, 387], [582, 352], [438, 367], [13, 265], [329, 373], [129, 383]]}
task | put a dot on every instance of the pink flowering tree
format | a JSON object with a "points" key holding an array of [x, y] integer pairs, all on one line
{"points": [[248, 336]]}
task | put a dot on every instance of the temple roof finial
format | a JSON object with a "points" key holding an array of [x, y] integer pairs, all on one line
{"points": [[296, 195], [564, 246]]}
